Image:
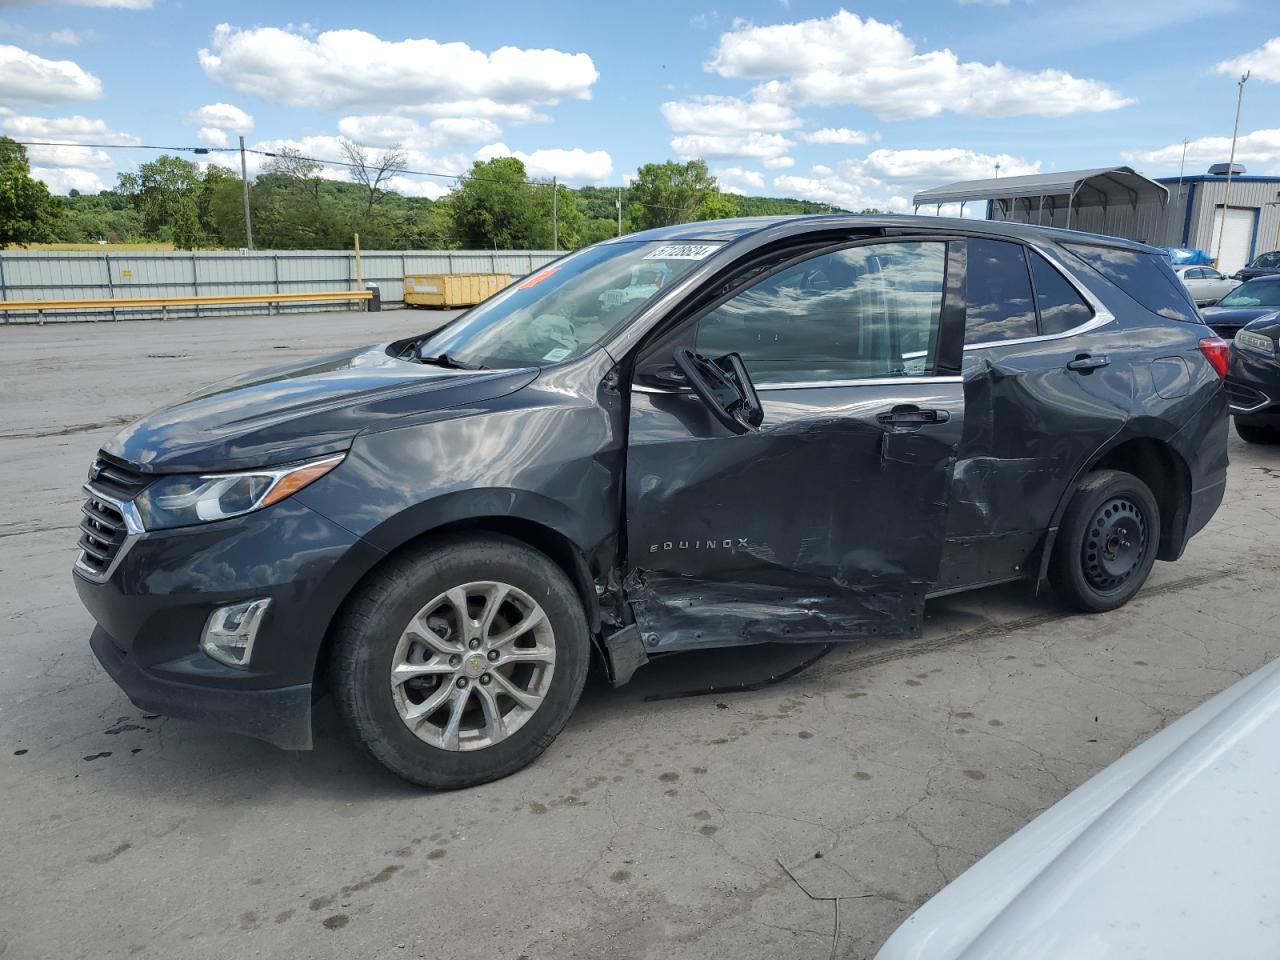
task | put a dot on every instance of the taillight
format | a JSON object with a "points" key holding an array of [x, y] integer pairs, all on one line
{"points": [[1218, 354]]}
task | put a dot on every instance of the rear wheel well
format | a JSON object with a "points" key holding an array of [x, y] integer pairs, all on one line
{"points": [[1166, 473], [559, 548]]}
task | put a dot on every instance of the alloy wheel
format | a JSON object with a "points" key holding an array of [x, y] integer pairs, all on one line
{"points": [[473, 665]]}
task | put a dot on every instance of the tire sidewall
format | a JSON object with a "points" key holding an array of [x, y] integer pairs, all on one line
{"points": [[370, 644], [1093, 492]]}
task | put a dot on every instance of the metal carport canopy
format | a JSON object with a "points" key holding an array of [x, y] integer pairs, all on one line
{"points": [[1100, 186]]}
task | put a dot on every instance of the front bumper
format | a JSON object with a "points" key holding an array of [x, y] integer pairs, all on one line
{"points": [[1253, 386], [152, 609], [279, 716]]}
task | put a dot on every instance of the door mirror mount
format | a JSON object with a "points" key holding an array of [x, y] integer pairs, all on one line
{"points": [[724, 385]]}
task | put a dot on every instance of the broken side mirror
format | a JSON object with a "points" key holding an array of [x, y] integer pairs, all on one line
{"points": [[724, 385]]}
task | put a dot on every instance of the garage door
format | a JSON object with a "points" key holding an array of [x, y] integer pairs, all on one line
{"points": [[1237, 237]]}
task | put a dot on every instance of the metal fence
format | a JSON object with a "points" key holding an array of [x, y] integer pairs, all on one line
{"points": [[67, 275]]}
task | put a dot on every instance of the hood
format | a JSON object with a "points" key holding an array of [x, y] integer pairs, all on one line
{"points": [[1233, 316], [299, 411], [1172, 851], [1248, 273]]}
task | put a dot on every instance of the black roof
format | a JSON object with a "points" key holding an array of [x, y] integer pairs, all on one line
{"points": [[726, 230]]}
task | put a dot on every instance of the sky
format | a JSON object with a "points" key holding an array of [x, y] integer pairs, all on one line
{"points": [[858, 104]]}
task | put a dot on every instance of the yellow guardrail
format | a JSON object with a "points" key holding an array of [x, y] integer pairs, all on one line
{"points": [[125, 303]]}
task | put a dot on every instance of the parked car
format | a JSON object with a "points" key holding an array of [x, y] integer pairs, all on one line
{"points": [[1205, 284], [1169, 852], [768, 429], [1246, 303], [1264, 265], [1253, 380]]}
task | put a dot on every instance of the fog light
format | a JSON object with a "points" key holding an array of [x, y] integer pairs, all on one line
{"points": [[229, 632]]}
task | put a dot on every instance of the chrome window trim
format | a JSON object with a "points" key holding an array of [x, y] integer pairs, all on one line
{"points": [[1101, 315], [815, 384], [133, 532]]}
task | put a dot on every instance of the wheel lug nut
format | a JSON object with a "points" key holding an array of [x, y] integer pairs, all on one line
{"points": [[455, 660], [475, 644], [462, 682], [486, 679], [493, 655]]}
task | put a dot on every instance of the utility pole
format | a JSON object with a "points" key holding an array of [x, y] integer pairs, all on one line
{"points": [[618, 203], [1183, 164], [1226, 195], [555, 217], [244, 183]]}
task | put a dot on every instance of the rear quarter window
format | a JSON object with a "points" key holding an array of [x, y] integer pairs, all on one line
{"points": [[1145, 277]]}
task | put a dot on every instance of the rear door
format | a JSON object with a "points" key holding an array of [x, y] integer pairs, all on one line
{"points": [[828, 522]]}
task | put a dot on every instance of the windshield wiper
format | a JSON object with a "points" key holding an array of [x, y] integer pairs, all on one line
{"points": [[443, 359]]}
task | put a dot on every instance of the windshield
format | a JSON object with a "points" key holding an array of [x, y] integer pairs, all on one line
{"points": [[1255, 293], [567, 307], [1268, 260]]}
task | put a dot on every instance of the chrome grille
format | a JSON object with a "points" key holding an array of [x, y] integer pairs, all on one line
{"points": [[107, 518]]}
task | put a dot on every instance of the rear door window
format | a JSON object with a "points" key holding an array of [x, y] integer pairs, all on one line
{"points": [[1061, 308], [998, 301], [1145, 277]]}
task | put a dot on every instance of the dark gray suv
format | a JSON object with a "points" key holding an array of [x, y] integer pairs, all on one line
{"points": [[708, 435]]}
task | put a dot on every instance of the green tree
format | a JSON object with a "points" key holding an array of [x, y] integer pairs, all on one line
{"points": [[667, 193], [28, 214], [497, 208], [164, 191]]}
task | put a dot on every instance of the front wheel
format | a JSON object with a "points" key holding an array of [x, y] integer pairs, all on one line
{"points": [[460, 663], [1253, 433], [1107, 542]]}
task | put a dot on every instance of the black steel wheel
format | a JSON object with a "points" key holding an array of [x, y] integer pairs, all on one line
{"points": [[1107, 542]]}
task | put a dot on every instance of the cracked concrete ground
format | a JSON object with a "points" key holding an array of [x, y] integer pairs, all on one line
{"points": [[649, 830]]}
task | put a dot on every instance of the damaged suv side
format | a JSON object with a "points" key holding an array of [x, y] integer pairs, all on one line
{"points": [[787, 429]]}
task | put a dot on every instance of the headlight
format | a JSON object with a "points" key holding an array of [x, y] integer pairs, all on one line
{"points": [[1255, 343], [183, 500]]}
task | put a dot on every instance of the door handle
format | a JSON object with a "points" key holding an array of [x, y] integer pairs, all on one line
{"points": [[1085, 363], [909, 415]]}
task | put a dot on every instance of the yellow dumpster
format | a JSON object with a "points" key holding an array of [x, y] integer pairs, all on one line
{"points": [[451, 289]]}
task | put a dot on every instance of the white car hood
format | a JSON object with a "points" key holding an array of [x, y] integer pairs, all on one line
{"points": [[1172, 851]]}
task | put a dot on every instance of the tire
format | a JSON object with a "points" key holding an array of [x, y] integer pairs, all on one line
{"points": [[1107, 542], [406, 616], [1253, 433]]}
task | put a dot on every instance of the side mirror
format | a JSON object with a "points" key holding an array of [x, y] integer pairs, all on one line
{"points": [[724, 385]]}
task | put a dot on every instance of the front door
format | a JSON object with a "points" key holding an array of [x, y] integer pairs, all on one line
{"points": [[827, 523]]}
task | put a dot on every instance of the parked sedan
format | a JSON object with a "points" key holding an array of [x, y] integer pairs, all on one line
{"points": [[1246, 303], [1170, 853], [1205, 284], [1253, 380], [1264, 265], [707, 435]]}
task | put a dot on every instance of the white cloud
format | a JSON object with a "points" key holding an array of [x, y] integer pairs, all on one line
{"points": [[214, 136], [63, 179], [1260, 149], [738, 179], [750, 146], [27, 78], [338, 69], [223, 116], [1263, 62], [886, 179], [779, 163], [66, 37], [418, 187], [845, 59], [837, 135], [76, 129], [376, 130], [570, 166], [727, 115]]}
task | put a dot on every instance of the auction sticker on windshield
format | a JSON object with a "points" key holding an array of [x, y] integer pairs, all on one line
{"points": [[538, 277], [683, 251]]}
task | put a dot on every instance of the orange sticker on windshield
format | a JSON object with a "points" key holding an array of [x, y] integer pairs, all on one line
{"points": [[538, 277]]}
